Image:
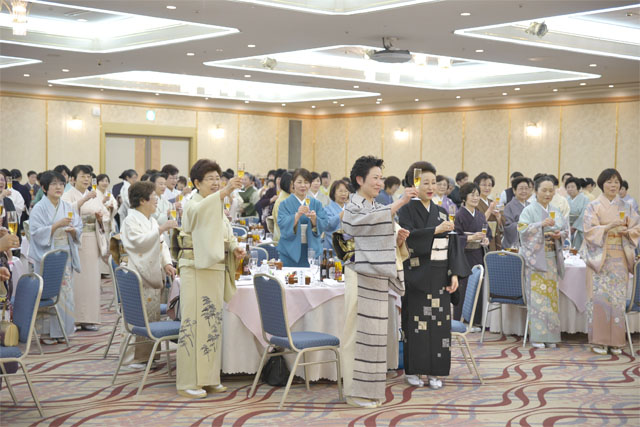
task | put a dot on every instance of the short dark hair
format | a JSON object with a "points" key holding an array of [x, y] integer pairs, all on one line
{"points": [[461, 175], [48, 177], [391, 181], [442, 178], [334, 188], [128, 173], [285, 182], [302, 172], [201, 168], [31, 173], [361, 168], [172, 170], [538, 175], [624, 184], [483, 176], [606, 175], [182, 180], [554, 179], [62, 168], [539, 180], [515, 175], [145, 177], [151, 171], [140, 191], [590, 181], [314, 176], [573, 180], [569, 174], [517, 181], [80, 168], [16, 174], [467, 189], [324, 174], [155, 176], [103, 176], [425, 166]]}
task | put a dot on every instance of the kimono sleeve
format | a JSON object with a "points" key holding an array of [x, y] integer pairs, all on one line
{"points": [[321, 218], [420, 240], [458, 265], [136, 239], [40, 226], [333, 218], [286, 219], [594, 232], [359, 223]]}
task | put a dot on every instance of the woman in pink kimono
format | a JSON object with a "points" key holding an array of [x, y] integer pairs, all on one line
{"points": [[611, 234]]}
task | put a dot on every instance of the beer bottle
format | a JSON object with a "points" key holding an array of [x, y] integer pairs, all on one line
{"points": [[246, 261], [331, 266]]}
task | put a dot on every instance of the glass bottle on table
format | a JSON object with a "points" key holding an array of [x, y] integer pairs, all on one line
{"points": [[246, 262], [331, 266], [323, 265]]}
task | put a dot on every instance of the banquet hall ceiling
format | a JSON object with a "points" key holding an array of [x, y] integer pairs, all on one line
{"points": [[422, 27]]}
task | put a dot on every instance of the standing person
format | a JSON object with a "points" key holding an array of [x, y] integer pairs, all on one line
{"points": [[301, 220], [431, 277], [339, 194], [50, 227], [314, 190], [542, 230], [128, 177], [577, 204], [521, 188], [171, 191], [285, 192], [608, 249], [379, 252], [441, 198], [624, 187], [207, 272], [562, 191], [86, 291], [508, 193], [108, 221], [391, 185], [489, 208], [163, 207], [249, 196], [461, 179], [587, 188], [24, 192], [32, 184], [325, 177]]}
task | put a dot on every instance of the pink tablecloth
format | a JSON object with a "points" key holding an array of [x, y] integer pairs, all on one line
{"points": [[574, 283]]}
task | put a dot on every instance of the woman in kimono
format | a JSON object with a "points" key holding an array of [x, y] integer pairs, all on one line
{"points": [[489, 209], [108, 221], [283, 194], [440, 198], [148, 254], [608, 249], [521, 187], [162, 212], [431, 276], [207, 271], [469, 223], [339, 195], [51, 227], [301, 220], [542, 231], [577, 204], [314, 190], [128, 177], [379, 252]]}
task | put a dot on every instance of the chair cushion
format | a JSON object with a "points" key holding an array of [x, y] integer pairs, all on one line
{"points": [[6, 352], [518, 301], [306, 340], [163, 308], [457, 326], [46, 303], [159, 329]]}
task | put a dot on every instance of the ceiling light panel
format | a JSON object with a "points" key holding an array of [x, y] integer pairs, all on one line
{"points": [[12, 61], [336, 7], [425, 71], [56, 26], [605, 32], [201, 86]]}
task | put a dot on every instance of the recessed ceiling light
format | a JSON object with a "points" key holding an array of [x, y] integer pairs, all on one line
{"points": [[81, 20], [65, 70], [335, 102], [342, 105], [313, 106], [555, 90], [504, 93], [219, 50], [27, 75], [157, 94], [101, 90], [50, 85], [379, 99], [251, 45], [377, 102], [516, 88], [190, 54], [206, 99], [479, 50], [593, 65], [284, 105], [458, 97], [416, 100], [583, 84], [247, 76], [171, 7], [356, 87], [610, 85], [465, 14]]}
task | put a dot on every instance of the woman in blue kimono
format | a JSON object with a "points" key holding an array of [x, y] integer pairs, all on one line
{"points": [[301, 220], [577, 204], [542, 231], [339, 195]]}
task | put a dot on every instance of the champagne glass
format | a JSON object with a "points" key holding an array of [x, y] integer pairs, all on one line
{"points": [[189, 183], [12, 222], [439, 202], [9, 183], [452, 216], [484, 228], [552, 214], [94, 184], [180, 197], [1, 210], [307, 201], [417, 179], [173, 212], [227, 203], [241, 173], [70, 214], [622, 214]]}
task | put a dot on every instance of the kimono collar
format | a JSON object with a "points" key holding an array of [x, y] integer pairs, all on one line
{"points": [[603, 199], [301, 201], [78, 191], [473, 214], [315, 196], [486, 202], [139, 215], [359, 200]]}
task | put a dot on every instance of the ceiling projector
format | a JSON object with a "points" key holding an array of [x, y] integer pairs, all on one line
{"points": [[390, 55]]}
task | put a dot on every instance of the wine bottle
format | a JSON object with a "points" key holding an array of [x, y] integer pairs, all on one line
{"points": [[323, 265], [246, 261], [331, 266]]}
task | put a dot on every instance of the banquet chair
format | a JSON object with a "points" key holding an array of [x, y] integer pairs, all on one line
{"points": [[262, 254], [136, 322], [633, 305], [505, 274], [52, 272], [272, 306], [239, 231], [271, 249], [250, 220], [459, 329], [25, 310], [116, 296]]}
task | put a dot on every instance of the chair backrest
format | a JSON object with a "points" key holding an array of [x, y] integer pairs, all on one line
{"points": [[471, 296], [239, 231], [112, 268], [505, 271], [262, 254], [271, 304], [130, 286], [25, 305], [634, 304], [271, 249], [269, 222], [52, 272]]}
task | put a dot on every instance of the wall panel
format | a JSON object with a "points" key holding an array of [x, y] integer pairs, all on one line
{"points": [[364, 138], [330, 146], [71, 146], [22, 134], [257, 143], [629, 145], [221, 149], [399, 154], [442, 141]]}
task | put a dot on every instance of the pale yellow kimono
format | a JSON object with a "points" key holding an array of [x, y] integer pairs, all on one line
{"points": [[276, 230], [207, 279], [108, 222]]}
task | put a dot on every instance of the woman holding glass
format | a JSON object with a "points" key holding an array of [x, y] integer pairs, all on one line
{"points": [[6, 204], [488, 207], [108, 221], [165, 208], [577, 204], [440, 198], [53, 225], [611, 235], [302, 220], [339, 195]]}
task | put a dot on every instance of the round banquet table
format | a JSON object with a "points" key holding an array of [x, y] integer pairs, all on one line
{"points": [[571, 305]]}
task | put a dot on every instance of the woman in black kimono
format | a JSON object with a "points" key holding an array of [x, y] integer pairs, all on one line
{"points": [[469, 224], [431, 273]]}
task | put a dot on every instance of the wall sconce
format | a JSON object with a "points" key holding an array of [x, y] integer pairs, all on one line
{"points": [[401, 134], [151, 115], [533, 129], [75, 123], [217, 132]]}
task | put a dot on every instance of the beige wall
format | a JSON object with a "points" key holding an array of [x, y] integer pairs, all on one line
{"points": [[578, 138]]}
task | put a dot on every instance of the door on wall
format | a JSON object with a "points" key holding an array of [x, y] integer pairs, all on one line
{"points": [[141, 152]]}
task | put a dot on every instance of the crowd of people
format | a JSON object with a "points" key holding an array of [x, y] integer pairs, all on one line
{"points": [[420, 244]]}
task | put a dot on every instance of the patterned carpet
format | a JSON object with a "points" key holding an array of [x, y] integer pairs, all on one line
{"points": [[564, 386]]}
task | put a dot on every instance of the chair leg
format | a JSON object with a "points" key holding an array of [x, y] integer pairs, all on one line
{"points": [[123, 348], [168, 359], [291, 375], [306, 371], [339, 374], [33, 392], [526, 330], [64, 331], [484, 321], [473, 361], [626, 323], [265, 356], [6, 378], [112, 301], [37, 338], [460, 339], [113, 334], [148, 367]]}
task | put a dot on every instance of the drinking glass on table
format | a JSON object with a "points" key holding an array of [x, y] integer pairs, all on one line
{"points": [[253, 262], [417, 179]]}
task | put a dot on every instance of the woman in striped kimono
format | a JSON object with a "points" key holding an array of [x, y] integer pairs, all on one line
{"points": [[379, 252]]}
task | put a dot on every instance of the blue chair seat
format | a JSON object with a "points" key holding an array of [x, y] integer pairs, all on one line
{"points": [[457, 326], [518, 301], [163, 308], [304, 340], [159, 329], [6, 352], [46, 303], [635, 307]]}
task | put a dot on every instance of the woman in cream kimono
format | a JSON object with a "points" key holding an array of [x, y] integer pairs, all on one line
{"points": [[86, 284], [207, 272], [611, 235], [542, 230], [161, 214], [108, 221], [148, 254]]}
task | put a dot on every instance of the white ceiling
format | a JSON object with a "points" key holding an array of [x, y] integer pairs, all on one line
{"points": [[426, 27]]}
